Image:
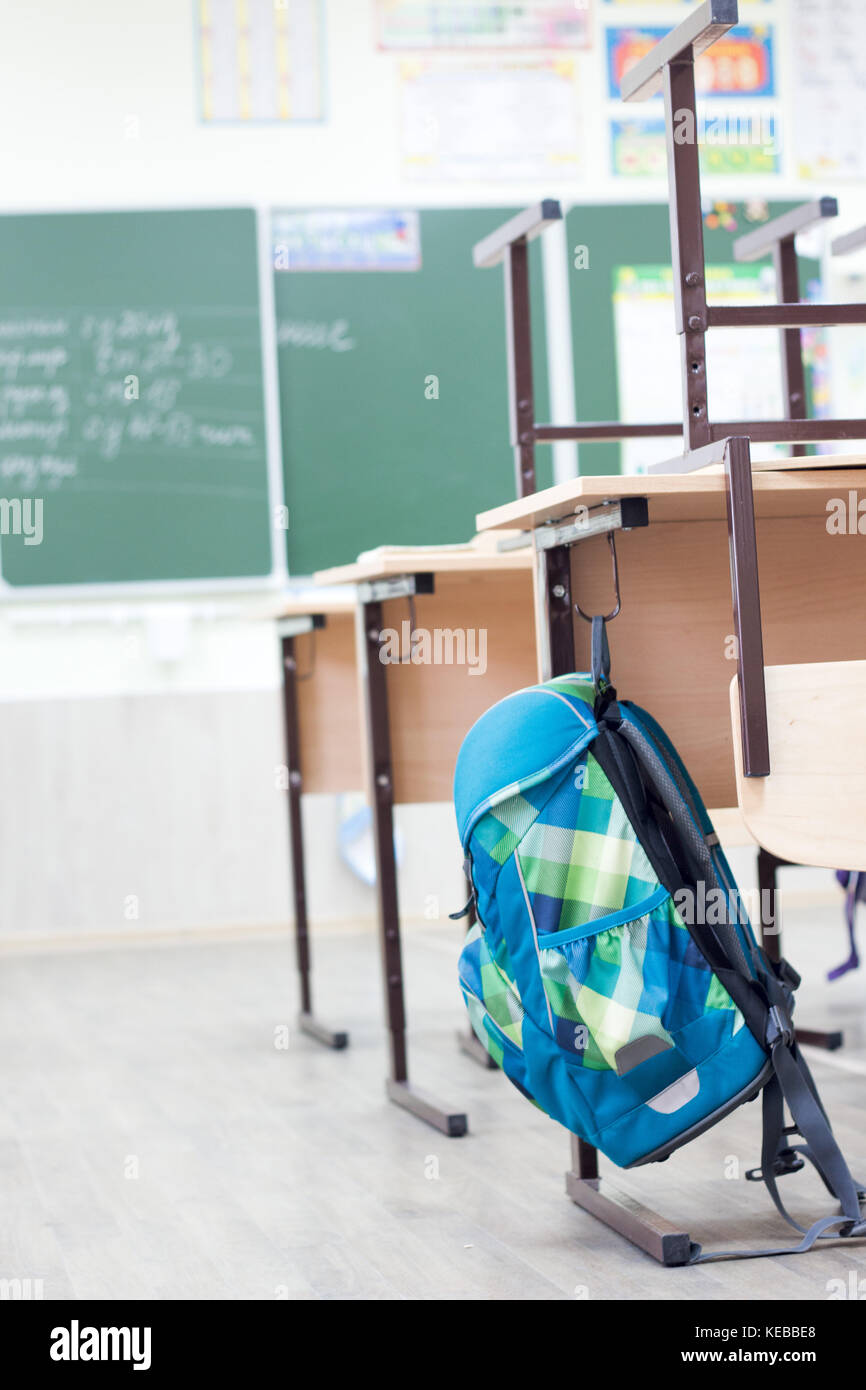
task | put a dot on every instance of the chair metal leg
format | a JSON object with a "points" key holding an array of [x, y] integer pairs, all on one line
{"points": [[771, 940]]}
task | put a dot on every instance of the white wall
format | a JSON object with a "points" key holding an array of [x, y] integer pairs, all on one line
{"points": [[74, 74], [99, 107], [141, 755]]}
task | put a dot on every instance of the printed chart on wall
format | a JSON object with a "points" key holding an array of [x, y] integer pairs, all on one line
{"points": [[506, 118], [356, 240], [260, 60], [647, 355], [738, 119], [409, 24], [828, 43]]}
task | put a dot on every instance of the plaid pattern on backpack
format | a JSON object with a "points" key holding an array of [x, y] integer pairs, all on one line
{"points": [[611, 971]]}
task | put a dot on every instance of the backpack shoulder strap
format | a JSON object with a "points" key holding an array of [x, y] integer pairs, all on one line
{"points": [[792, 1082]]}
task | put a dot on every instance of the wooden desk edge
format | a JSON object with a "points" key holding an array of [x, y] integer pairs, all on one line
{"points": [[421, 561], [558, 503], [308, 604]]}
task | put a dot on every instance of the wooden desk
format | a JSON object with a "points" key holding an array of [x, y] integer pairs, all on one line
{"points": [[672, 644], [322, 722], [418, 712]]}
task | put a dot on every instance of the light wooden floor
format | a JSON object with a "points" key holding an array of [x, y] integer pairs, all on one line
{"points": [[267, 1173]]}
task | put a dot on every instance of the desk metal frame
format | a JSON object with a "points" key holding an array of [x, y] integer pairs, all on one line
{"points": [[288, 630], [370, 617], [583, 1183]]}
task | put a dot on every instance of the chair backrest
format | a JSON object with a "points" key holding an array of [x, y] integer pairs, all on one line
{"points": [[812, 807]]}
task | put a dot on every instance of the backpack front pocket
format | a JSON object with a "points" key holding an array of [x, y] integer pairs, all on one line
{"points": [[620, 990]]}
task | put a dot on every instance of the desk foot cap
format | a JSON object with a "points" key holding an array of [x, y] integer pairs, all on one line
{"points": [[425, 1107], [628, 1218], [328, 1037], [830, 1042]]}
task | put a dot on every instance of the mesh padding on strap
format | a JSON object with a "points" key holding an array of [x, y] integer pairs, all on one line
{"points": [[677, 808]]}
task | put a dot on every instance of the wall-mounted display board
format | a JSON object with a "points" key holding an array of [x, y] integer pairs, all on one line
{"points": [[393, 386], [260, 60], [137, 399], [828, 47], [739, 129], [443, 24], [483, 119]]}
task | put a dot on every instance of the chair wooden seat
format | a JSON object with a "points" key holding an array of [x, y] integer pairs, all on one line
{"points": [[812, 807]]}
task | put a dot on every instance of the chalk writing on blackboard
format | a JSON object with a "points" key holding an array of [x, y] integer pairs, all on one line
{"points": [[303, 333], [87, 388]]}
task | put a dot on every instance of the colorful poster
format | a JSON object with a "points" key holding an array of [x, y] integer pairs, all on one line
{"points": [[669, 4], [260, 60], [490, 120], [357, 240], [444, 24], [739, 64], [637, 149], [729, 143], [743, 369], [828, 50]]}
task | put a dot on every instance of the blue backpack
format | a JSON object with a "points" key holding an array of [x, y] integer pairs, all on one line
{"points": [[611, 970]]}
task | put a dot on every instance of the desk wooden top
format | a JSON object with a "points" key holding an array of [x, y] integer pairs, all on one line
{"points": [[796, 489], [479, 554], [305, 604]]}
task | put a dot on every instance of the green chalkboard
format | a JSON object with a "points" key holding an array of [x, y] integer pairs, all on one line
{"points": [[132, 398], [371, 455], [635, 235]]}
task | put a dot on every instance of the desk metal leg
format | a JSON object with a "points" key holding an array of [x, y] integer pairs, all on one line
{"points": [[307, 1021], [400, 1091], [622, 1213], [767, 865], [468, 1043], [584, 1185]]}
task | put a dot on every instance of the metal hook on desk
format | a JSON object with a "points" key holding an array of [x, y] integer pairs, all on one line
{"points": [[607, 617], [600, 648], [307, 674], [406, 660]]}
